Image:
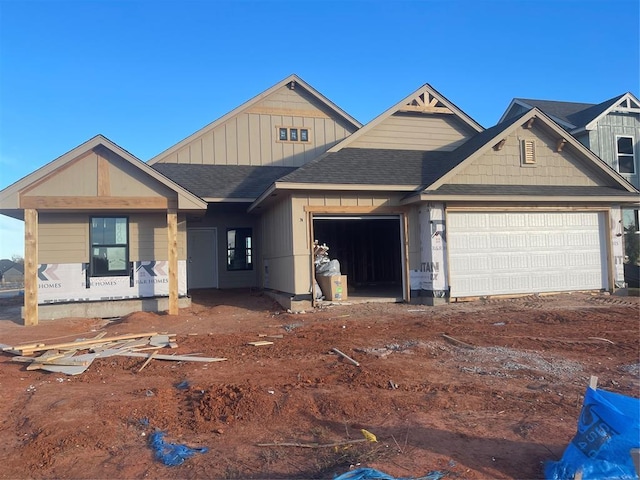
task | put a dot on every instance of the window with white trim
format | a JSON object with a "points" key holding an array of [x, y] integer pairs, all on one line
{"points": [[625, 154], [109, 238]]}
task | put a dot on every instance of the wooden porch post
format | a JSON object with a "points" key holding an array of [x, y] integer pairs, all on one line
{"points": [[172, 231], [30, 266]]}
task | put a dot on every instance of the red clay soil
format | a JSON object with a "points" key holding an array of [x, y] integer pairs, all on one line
{"points": [[497, 405]]}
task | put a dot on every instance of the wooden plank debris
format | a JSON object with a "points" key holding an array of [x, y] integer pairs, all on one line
{"points": [[176, 358], [260, 343], [346, 357], [457, 342], [64, 357]]}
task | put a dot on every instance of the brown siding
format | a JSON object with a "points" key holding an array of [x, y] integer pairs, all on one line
{"points": [[416, 132]]}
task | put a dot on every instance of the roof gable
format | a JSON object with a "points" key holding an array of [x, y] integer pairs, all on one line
{"points": [[575, 116], [425, 101], [97, 174], [246, 135], [497, 150]]}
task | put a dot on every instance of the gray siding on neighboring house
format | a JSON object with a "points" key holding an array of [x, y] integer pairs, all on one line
{"points": [[602, 140]]}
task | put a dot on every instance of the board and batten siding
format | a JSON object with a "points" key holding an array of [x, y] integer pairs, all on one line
{"points": [[224, 217], [251, 137], [64, 238], [405, 131], [277, 244], [602, 140], [504, 167]]}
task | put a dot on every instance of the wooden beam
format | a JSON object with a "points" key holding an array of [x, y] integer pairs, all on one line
{"points": [[354, 210], [405, 255], [30, 267], [498, 146], [529, 124], [92, 203], [425, 109], [172, 232], [560, 144], [104, 184]]}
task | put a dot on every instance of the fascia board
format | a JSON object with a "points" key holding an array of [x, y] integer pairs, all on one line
{"points": [[610, 199], [185, 198]]}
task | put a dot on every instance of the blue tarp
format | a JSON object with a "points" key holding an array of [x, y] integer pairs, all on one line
{"points": [[373, 474], [608, 428], [172, 454]]}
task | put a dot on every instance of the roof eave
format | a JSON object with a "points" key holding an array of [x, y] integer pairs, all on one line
{"points": [[608, 199]]}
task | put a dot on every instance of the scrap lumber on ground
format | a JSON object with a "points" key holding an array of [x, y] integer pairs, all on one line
{"points": [[64, 357]]}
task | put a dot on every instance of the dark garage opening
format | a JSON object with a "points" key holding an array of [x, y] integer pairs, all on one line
{"points": [[369, 251]]}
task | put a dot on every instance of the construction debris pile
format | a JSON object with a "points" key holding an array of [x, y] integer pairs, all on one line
{"points": [[330, 284], [73, 358]]}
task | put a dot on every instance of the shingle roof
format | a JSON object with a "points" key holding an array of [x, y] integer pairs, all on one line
{"points": [[6, 264], [365, 166], [222, 181], [531, 190], [573, 113]]}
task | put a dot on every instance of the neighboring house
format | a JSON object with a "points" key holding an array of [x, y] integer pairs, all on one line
{"points": [[11, 272], [421, 204], [610, 129]]}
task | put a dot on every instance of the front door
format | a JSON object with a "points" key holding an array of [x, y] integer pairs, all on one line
{"points": [[202, 255]]}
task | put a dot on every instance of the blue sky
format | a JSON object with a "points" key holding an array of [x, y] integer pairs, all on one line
{"points": [[146, 74]]}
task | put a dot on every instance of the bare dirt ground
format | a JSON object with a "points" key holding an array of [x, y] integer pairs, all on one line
{"points": [[496, 409]]}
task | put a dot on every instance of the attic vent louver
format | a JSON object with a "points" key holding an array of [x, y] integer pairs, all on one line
{"points": [[528, 152]]}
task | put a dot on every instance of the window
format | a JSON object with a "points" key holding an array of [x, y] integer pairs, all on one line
{"points": [[528, 153], [624, 148], [293, 134], [109, 237], [239, 249]]}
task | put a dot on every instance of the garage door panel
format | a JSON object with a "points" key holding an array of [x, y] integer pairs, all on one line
{"points": [[509, 252]]}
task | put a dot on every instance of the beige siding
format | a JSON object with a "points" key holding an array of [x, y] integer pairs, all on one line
{"points": [[80, 179], [64, 238], [77, 179], [251, 137], [286, 242], [277, 244], [404, 131], [126, 180], [504, 167]]}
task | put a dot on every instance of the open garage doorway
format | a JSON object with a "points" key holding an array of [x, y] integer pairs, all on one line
{"points": [[369, 249]]}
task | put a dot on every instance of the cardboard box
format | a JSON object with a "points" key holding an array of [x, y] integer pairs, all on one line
{"points": [[333, 288]]}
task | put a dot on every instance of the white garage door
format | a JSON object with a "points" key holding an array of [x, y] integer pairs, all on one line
{"points": [[498, 253]]}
